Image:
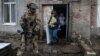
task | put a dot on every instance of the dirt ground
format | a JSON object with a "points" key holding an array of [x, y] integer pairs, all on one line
{"points": [[96, 44], [57, 50]]}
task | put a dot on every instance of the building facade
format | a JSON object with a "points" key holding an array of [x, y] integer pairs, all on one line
{"points": [[81, 14]]}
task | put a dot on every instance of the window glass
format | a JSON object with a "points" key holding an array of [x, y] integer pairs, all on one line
{"points": [[13, 13], [8, 0], [6, 13]]}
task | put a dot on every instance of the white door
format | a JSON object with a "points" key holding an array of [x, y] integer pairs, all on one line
{"points": [[46, 14]]}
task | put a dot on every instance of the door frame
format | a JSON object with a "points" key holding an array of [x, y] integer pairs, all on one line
{"points": [[67, 14]]}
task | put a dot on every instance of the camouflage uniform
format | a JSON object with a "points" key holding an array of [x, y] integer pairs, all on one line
{"points": [[31, 31]]}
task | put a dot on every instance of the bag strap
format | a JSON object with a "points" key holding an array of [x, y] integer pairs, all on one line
{"points": [[50, 20]]}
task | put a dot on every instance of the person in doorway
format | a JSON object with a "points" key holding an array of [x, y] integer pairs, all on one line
{"points": [[62, 24], [53, 27]]}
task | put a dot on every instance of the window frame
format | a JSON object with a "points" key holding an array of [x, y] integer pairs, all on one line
{"points": [[10, 13]]}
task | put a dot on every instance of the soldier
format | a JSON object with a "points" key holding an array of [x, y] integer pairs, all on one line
{"points": [[31, 31]]}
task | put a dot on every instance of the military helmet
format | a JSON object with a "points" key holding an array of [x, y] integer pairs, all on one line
{"points": [[31, 6]]}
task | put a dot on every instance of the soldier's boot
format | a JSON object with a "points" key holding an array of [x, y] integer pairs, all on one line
{"points": [[19, 52], [35, 45], [23, 45], [21, 49]]}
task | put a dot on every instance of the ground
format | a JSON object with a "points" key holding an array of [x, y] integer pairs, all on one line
{"points": [[59, 49], [96, 44], [62, 48]]}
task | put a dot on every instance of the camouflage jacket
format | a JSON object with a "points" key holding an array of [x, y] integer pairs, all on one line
{"points": [[29, 24]]}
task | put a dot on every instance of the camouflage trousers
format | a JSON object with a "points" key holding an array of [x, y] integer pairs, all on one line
{"points": [[28, 45]]}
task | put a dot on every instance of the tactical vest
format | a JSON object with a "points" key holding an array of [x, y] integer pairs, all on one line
{"points": [[52, 22]]}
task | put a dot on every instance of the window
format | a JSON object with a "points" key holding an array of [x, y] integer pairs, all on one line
{"points": [[9, 11], [98, 14]]}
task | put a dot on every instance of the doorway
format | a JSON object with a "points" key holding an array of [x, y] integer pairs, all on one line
{"points": [[59, 8]]}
